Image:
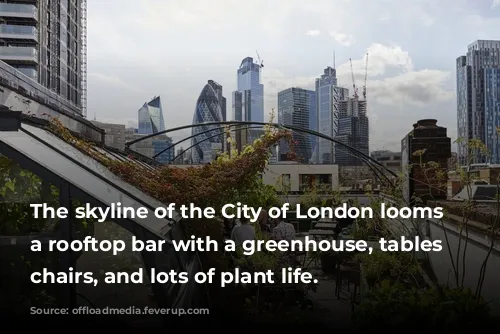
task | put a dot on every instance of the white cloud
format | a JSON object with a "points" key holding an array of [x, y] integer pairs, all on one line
{"points": [[495, 3], [397, 94], [171, 48], [343, 39], [313, 33], [114, 81]]}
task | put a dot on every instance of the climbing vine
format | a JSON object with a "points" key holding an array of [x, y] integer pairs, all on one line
{"points": [[230, 177]]}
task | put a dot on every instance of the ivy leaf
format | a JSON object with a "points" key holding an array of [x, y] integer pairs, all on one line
{"points": [[10, 185]]}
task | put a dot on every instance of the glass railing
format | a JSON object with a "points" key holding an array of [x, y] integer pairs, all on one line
{"points": [[19, 51], [17, 30], [18, 8]]}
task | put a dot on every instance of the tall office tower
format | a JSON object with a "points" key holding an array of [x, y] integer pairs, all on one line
{"points": [[248, 99], [328, 96], [295, 106], [353, 131], [478, 93], [209, 108], [47, 41], [151, 117]]}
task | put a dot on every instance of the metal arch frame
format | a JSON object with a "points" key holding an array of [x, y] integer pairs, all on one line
{"points": [[368, 163], [356, 152], [208, 138], [190, 137]]}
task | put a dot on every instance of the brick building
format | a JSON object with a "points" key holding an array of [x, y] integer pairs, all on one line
{"points": [[427, 143]]}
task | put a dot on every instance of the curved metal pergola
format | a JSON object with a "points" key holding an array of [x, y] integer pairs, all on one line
{"points": [[369, 161], [208, 138]]}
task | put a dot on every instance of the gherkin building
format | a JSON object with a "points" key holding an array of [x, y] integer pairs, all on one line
{"points": [[210, 107]]}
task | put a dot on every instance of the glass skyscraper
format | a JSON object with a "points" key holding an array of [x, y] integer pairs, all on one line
{"points": [[297, 107], [249, 80], [248, 99], [478, 96], [353, 130], [151, 117], [210, 107], [328, 96], [47, 41]]}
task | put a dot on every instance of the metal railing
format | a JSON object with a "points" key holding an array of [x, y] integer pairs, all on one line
{"points": [[18, 30], [18, 51], [18, 8]]}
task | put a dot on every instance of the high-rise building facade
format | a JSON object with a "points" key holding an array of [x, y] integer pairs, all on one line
{"points": [[248, 99], [353, 130], [151, 117], [297, 107], [47, 41], [210, 107], [478, 93], [328, 96]]}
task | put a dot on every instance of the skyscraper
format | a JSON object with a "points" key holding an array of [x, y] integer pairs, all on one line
{"points": [[210, 107], [47, 42], [329, 96], [478, 93], [151, 117], [248, 99], [353, 130], [297, 107]]}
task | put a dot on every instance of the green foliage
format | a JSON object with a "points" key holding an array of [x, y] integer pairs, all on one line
{"points": [[393, 306], [18, 189], [398, 266]]}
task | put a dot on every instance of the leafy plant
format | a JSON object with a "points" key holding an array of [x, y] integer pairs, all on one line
{"points": [[398, 266], [393, 306]]}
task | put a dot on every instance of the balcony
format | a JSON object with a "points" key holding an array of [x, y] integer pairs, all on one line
{"points": [[18, 11], [15, 32], [18, 54]]}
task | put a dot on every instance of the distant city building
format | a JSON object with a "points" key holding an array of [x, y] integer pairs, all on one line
{"points": [[453, 161], [420, 181], [248, 100], [210, 107], [115, 134], [329, 96], [389, 159], [182, 156], [151, 117], [478, 93], [47, 42], [297, 107], [297, 177], [353, 130], [151, 146]]}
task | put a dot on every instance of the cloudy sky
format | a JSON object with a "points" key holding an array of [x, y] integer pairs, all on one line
{"points": [[138, 49]]}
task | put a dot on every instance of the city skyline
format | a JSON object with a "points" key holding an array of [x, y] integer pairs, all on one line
{"points": [[411, 70]]}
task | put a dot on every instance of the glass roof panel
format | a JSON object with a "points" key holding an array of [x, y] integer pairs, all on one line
{"points": [[105, 187]]}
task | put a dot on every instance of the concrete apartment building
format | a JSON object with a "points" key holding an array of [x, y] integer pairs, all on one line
{"points": [[46, 42]]}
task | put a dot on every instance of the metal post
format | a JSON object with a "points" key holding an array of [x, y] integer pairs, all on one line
{"points": [[67, 292]]}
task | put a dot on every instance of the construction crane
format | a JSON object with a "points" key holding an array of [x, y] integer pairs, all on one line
{"points": [[366, 77], [353, 81], [261, 62]]}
